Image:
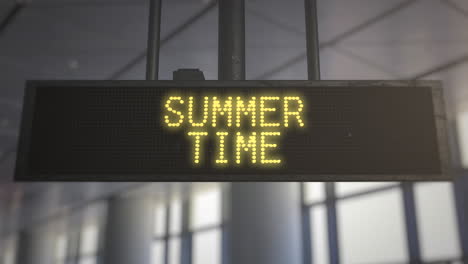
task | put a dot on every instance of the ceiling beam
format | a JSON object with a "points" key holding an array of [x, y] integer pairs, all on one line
{"points": [[340, 37], [274, 21], [455, 7], [442, 67], [365, 61], [181, 28], [10, 17]]}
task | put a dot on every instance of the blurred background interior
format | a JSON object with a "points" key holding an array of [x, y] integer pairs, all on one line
{"points": [[211, 223]]}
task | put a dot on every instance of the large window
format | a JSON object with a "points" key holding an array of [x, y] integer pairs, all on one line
{"points": [[77, 247], [77, 238], [372, 229], [381, 222], [8, 250], [61, 246], [167, 232], [205, 225], [189, 226], [88, 249], [437, 225]]}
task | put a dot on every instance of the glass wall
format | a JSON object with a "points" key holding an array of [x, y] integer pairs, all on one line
{"points": [[437, 222], [167, 232], [189, 227], [88, 249], [78, 236], [61, 256], [8, 250], [205, 225], [376, 223]]}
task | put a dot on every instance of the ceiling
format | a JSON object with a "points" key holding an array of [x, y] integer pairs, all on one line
{"points": [[106, 39]]}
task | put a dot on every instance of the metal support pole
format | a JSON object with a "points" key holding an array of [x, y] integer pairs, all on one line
{"points": [[312, 42], [154, 29], [231, 46], [411, 222], [307, 246], [313, 74], [266, 214], [332, 223], [225, 216], [187, 235], [167, 229]]}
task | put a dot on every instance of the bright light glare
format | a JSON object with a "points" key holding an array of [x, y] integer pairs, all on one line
{"points": [[89, 240]]}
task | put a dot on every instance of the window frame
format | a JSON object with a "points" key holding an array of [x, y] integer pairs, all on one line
{"points": [[187, 233], [330, 200]]}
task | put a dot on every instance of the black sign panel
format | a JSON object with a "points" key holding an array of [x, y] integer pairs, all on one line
{"points": [[230, 131]]}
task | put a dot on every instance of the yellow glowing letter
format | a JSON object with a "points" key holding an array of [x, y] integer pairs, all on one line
{"points": [[296, 113], [242, 109], [251, 146], [225, 110], [222, 151], [264, 109], [205, 112], [196, 144], [264, 145], [172, 110]]}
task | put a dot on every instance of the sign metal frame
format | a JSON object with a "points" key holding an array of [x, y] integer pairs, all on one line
{"points": [[437, 100]]}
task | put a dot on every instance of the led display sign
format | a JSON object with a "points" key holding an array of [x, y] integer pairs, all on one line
{"points": [[222, 118], [232, 130]]}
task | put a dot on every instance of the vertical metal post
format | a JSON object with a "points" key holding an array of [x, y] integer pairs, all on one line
{"points": [[23, 247], [411, 222], [167, 229], [231, 34], [312, 43], [307, 244], [460, 185], [186, 235], [231, 66], [332, 223], [225, 216], [154, 29], [313, 74]]}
